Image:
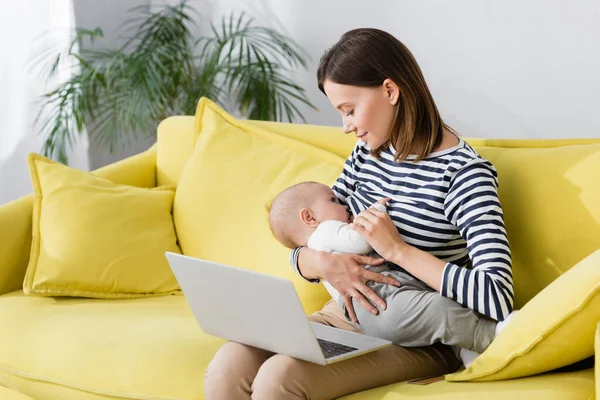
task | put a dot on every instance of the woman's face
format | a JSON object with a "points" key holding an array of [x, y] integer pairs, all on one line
{"points": [[368, 112]]}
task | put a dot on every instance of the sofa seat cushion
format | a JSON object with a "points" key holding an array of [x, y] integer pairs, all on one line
{"points": [[152, 348], [10, 394], [137, 349], [557, 386]]}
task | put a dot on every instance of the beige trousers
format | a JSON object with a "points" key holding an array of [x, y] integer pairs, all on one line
{"points": [[243, 372]]}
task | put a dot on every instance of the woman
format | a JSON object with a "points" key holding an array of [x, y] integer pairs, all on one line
{"points": [[444, 226]]}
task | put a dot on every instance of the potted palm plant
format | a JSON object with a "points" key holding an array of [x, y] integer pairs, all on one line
{"points": [[163, 70]]}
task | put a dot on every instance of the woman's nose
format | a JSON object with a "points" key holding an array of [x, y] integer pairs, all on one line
{"points": [[349, 127]]}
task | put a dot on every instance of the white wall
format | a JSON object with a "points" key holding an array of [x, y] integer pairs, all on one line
{"points": [[510, 69], [21, 24]]}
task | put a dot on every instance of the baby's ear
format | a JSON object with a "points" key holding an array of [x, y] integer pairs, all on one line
{"points": [[308, 217]]}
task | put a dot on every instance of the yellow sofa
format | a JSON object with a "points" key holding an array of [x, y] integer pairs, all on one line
{"points": [[57, 348]]}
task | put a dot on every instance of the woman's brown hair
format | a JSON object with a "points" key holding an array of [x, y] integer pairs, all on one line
{"points": [[366, 57]]}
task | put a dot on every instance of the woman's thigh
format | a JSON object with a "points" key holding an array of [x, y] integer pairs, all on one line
{"points": [[232, 370], [283, 377]]}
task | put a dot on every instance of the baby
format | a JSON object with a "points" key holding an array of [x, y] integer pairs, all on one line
{"points": [[309, 214]]}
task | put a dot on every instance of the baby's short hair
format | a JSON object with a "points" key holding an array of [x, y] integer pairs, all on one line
{"points": [[284, 215]]}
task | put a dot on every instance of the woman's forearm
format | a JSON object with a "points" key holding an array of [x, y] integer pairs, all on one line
{"points": [[420, 264], [309, 262]]}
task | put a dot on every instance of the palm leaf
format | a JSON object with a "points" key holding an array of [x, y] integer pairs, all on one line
{"points": [[119, 93]]}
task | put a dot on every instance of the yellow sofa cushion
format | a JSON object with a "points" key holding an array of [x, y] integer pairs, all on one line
{"points": [[16, 216], [144, 348], [328, 138], [551, 203], [597, 358], [224, 192], [174, 146], [556, 328], [557, 386], [103, 349], [9, 394], [95, 238]]}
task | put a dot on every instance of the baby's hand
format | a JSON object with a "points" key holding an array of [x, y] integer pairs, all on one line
{"points": [[383, 201], [380, 204]]}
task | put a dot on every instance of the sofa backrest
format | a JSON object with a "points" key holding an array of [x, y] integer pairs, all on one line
{"points": [[177, 136], [549, 189]]}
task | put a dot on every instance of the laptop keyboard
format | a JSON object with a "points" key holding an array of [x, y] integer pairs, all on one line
{"points": [[333, 349]]}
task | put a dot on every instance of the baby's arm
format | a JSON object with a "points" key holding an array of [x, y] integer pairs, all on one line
{"points": [[336, 236]]}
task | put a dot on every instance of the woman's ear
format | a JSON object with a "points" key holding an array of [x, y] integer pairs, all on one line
{"points": [[392, 91], [308, 217]]}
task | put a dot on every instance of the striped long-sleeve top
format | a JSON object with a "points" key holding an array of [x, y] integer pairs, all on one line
{"points": [[447, 205]]}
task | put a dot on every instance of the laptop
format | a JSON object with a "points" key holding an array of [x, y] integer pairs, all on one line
{"points": [[263, 311]]}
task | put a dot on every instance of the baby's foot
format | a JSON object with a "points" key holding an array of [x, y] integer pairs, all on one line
{"points": [[467, 357], [502, 324]]}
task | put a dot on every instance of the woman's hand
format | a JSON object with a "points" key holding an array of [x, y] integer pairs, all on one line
{"points": [[345, 272], [379, 230]]}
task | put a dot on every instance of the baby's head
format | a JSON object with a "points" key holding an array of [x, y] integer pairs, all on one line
{"points": [[297, 211]]}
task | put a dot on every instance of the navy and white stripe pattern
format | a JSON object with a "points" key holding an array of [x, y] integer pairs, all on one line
{"points": [[447, 205], [294, 263]]}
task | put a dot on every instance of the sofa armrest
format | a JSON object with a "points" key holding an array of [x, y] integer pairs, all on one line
{"points": [[597, 358], [15, 217], [15, 242]]}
